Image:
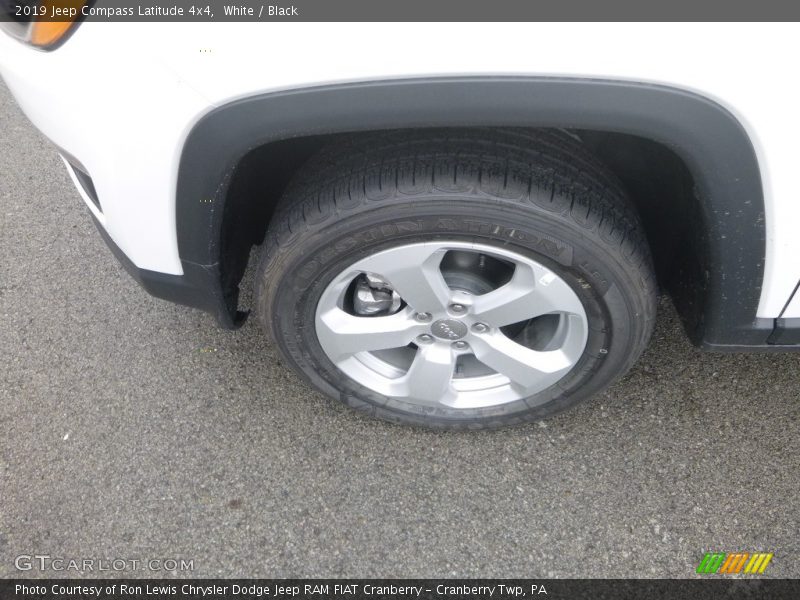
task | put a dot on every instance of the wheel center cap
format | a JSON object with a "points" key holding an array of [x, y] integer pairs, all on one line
{"points": [[449, 329]]}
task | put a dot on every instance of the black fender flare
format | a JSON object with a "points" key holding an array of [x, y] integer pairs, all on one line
{"points": [[705, 135]]}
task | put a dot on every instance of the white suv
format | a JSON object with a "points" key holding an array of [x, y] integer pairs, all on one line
{"points": [[463, 233]]}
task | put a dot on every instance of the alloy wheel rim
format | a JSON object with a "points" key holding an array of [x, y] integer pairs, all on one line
{"points": [[476, 326]]}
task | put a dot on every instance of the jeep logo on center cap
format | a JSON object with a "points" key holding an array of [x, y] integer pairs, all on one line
{"points": [[449, 329]]}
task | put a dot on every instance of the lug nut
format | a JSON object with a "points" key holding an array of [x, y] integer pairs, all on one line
{"points": [[425, 338], [423, 317], [458, 308], [480, 328], [460, 345]]}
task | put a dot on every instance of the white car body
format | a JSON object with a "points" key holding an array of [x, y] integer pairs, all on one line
{"points": [[123, 97]]}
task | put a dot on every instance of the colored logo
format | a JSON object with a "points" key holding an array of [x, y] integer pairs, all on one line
{"points": [[734, 562]]}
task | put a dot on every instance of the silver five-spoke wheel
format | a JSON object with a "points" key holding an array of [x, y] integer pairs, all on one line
{"points": [[454, 324]]}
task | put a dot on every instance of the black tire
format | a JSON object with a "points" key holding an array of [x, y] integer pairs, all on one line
{"points": [[537, 192]]}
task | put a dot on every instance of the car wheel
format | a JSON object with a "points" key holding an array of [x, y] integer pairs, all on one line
{"points": [[457, 279]]}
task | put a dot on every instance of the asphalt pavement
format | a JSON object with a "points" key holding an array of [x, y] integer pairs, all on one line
{"points": [[134, 429]]}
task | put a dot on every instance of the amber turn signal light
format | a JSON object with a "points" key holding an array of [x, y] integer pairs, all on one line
{"points": [[56, 20]]}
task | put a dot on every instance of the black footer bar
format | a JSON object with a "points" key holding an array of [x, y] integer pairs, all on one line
{"points": [[395, 589]]}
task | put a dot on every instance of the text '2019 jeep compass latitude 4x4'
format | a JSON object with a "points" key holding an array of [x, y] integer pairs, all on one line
{"points": [[451, 234]]}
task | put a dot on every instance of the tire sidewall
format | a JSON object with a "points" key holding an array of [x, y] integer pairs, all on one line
{"points": [[295, 273]]}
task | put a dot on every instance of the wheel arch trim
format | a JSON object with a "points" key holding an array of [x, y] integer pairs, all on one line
{"points": [[705, 135]]}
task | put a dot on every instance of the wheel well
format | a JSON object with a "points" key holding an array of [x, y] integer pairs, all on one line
{"points": [[657, 180], [661, 133], [255, 187]]}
